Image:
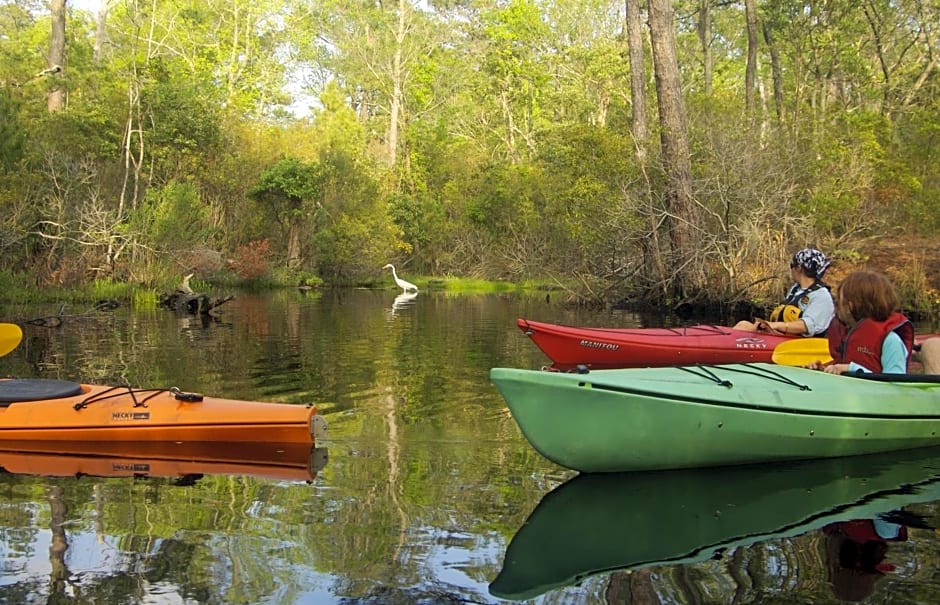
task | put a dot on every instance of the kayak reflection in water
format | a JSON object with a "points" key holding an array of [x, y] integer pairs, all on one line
{"points": [[856, 550]]}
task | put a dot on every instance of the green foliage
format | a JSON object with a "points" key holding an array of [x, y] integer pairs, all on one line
{"points": [[23, 34], [303, 279], [504, 197], [915, 159], [513, 151], [12, 133], [335, 124], [84, 136], [172, 218], [515, 77], [18, 290], [107, 289], [183, 113], [289, 191], [354, 233], [855, 177], [465, 285], [8, 286], [587, 218], [423, 223], [286, 186], [144, 299]]}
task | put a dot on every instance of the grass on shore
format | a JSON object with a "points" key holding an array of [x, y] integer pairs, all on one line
{"points": [[16, 292]]}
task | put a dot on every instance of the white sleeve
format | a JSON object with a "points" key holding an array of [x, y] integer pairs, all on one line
{"points": [[818, 312]]}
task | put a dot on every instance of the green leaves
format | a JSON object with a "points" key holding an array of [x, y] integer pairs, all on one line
{"points": [[289, 182]]}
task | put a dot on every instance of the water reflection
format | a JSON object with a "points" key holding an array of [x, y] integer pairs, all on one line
{"points": [[600, 523], [428, 476], [198, 327], [425, 468], [856, 551], [185, 462], [403, 301]]}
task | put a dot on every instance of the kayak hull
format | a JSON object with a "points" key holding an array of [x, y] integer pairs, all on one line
{"points": [[124, 414], [606, 348], [669, 418]]}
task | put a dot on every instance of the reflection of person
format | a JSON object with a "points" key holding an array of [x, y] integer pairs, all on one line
{"points": [[808, 307], [855, 552], [870, 335]]}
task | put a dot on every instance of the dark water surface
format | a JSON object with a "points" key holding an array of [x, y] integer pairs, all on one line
{"points": [[429, 485]]}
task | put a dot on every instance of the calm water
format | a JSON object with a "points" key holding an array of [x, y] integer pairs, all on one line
{"points": [[429, 494]]}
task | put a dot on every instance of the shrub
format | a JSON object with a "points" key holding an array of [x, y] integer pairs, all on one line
{"points": [[251, 261]]}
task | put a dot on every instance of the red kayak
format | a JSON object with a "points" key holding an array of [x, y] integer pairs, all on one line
{"points": [[599, 348]]}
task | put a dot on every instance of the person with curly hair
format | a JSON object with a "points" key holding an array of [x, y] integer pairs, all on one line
{"points": [[870, 333]]}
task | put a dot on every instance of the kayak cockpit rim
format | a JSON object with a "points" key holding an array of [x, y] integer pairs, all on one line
{"points": [[530, 329]]}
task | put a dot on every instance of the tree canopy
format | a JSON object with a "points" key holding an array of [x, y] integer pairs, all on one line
{"points": [[505, 139]]}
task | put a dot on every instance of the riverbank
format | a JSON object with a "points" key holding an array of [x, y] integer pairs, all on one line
{"points": [[913, 265]]}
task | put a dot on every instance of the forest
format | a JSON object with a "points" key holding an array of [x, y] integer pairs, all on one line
{"points": [[651, 152]]}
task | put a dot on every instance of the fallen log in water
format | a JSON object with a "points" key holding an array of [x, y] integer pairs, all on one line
{"points": [[192, 303], [184, 300]]}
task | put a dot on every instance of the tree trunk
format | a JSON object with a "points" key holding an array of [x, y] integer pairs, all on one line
{"points": [[637, 76], [294, 254], [704, 31], [58, 544], [101, 31], [776, 70], [750, 71], [56, 100], [675, 150], [635, 42], [398, 71]]}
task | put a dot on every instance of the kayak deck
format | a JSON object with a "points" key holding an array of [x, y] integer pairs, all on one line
{"points": [[26, 389], [57, 411], [607, 348]]}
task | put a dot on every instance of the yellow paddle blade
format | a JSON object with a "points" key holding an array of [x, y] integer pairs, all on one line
{"points": [[802, 351], [10, 337]]}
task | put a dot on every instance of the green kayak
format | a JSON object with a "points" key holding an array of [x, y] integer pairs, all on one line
{"points": [[698, 416], [599, 523]]}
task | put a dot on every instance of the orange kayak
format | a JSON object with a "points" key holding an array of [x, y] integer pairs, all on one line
{"points": [[58, 410], [183, 461]]}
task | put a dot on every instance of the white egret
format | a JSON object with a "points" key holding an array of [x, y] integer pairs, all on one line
{"points": [[404, 285]]}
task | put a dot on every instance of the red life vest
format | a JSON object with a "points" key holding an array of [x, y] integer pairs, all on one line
{"points": [[863, 530], [862, 344]]}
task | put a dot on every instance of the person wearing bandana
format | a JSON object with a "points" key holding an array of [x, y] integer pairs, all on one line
{"points": [[808, 307]]}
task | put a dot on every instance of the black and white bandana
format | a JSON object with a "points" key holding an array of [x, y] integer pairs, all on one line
{"points": [[812, 260]]}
